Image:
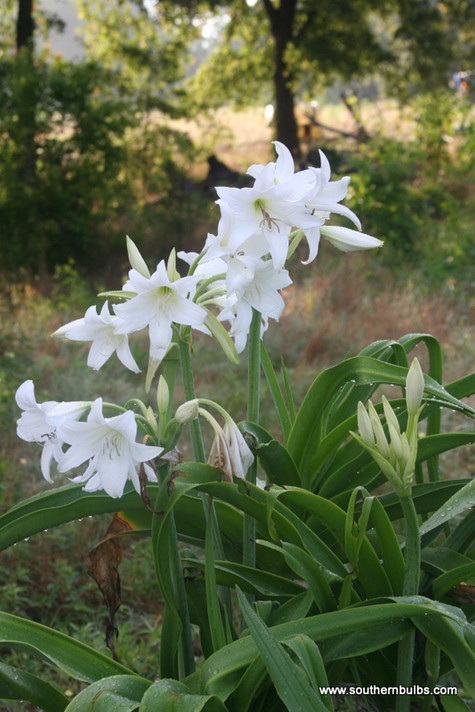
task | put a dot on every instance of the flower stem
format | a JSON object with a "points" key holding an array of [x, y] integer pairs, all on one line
{"points": [[178, 607], [253, 406], [189, 389], [412, 557]]}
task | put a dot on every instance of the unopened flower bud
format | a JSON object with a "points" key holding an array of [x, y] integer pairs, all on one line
{"points": [[395, 446], [187, 411], [172, 273], [136, 260], [381, 441], [390, 415], [364, 425], [163, 396], [414, 387]]}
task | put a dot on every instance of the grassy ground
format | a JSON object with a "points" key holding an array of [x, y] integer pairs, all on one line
{"points": [[335, 307]]}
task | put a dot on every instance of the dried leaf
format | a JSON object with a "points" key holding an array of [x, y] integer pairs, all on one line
{"points": [[143, 490], [174, 457], [463, 592], [103, 563]]}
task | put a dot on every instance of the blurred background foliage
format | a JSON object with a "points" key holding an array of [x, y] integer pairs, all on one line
{"points": [[96, 146]]}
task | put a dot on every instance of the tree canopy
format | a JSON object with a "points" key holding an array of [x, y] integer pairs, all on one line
{"points": [[289, 48]]}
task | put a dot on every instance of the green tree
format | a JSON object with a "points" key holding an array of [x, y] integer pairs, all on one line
{"points": [[77, 145], [144, 49], [287, 46]]}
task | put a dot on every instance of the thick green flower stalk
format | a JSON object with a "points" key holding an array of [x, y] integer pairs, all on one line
{"points": [[397, 458]]}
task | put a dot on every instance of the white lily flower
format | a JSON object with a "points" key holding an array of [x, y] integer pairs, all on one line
{"points": [[243, 264], [158, 304], [38, 423], [261, 294], [102, 330], [325, 197], [272, 206], [111, 448], [211, 263]]}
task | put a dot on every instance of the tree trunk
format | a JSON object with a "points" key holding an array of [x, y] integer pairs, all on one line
{"points": [[281, 23], [25, 25], [26, 98], [26, 93]]}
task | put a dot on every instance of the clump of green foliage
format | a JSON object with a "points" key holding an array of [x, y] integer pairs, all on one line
{"points": [[77, 165], [418, 194]]}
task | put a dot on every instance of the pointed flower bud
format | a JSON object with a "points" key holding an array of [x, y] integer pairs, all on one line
{"points": [[364, 425], [136, 260], [172, 273], [163, 396], [381, 441], [414, 387], [390, 415], [187, 411]]}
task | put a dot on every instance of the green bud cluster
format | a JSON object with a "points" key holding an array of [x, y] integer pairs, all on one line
{"points": [[396, 455]]}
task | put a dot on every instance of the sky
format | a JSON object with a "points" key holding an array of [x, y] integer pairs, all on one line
{"points": [[66, 43]]}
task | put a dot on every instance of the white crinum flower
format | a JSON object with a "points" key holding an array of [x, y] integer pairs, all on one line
{"points": [[280, 200], [158, 303], [272, 206], [102, 330], [109, 444], [262, 294], [39, 422]]}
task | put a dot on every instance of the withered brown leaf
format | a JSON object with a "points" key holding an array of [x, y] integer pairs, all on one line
{"points": [[103, 563]]}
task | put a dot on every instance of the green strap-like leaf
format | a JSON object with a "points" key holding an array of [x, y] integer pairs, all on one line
{"points": [[76, 659], [276, 392], [218, 636], [174, 696], [220, 674], [460, 502], [16, 684], [454, 703], [121, 693], [308, 570], [65, 504], [371, 572], [445, 582], [254, 682], [462, 537], [457, 639], [251, 580], [274, 458], [290, 683], [392, 558], [309, 655]]}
